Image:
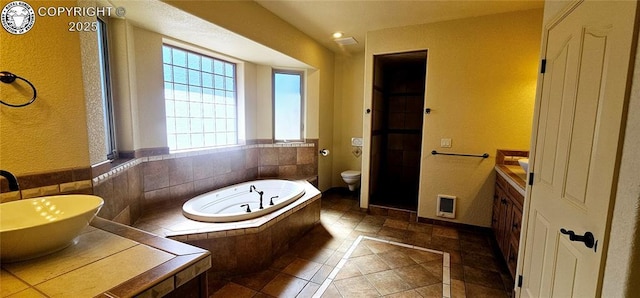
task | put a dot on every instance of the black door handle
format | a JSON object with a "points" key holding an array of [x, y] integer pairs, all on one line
{"points": [[587, 238]]}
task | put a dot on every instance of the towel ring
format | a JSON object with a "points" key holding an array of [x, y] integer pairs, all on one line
{"points": [[8, 78]]}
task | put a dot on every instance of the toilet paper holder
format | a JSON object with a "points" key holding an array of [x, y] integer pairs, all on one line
{"points": [[324, 152]]}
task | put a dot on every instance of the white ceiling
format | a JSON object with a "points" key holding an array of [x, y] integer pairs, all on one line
{"points": [[320, 18]]}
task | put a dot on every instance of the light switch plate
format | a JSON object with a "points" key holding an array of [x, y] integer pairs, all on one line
{"points": [[445, 143]]}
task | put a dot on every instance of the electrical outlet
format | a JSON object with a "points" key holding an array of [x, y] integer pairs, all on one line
{"points": [[445, 143]]}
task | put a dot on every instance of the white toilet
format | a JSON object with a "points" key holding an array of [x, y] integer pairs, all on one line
{"points": [[352, 178]]}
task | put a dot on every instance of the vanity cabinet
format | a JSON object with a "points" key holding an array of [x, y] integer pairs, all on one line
{"points": [[507, 220]]}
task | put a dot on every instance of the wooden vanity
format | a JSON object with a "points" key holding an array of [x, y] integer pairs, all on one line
{"points": [[507, 204], [111, 260]]}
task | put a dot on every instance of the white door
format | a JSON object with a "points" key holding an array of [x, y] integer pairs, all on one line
{"points": [[579, 112]]}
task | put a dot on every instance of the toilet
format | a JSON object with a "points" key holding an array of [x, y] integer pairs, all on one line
{"points": [[352, 178]]}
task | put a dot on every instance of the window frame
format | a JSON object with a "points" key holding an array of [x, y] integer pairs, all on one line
{"points": [[188, 50], [301, 74], [111, 144]]}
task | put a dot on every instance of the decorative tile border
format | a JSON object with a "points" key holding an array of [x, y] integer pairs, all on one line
{"points": [[134, 162], [446, 265]]}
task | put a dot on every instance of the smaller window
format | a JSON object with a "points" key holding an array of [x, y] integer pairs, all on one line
{"points": [[107, 99], [287, 106]]}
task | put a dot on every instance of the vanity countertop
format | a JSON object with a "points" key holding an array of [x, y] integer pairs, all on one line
{"points": [[108, 260], [515, 175], [507, 166]]}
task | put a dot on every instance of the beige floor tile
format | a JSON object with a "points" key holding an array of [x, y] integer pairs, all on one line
{"points": [[334, 259], [420, 256], [233, 290], [256, 281], [431, 291], [483, 278], [445, 232], [420, 227], [368, 227], [418, 239], [395, 223], [416, 276], [458, 289], [370, 264], [302, 268], [361, 250], [284, 285], [356, 287], [322, 274], [392, 234], [331, 292], [348, 270], [434, 267], [480, 261], [387, 282], [396, 258], [478, 291], [342, 223], [444, 243], [318, 255], [283, 261], [406, 294], [309, 290], [379, 246]]}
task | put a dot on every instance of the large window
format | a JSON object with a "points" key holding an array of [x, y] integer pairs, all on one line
{"points": [[105, 84], [201, 100], [287, 106]]}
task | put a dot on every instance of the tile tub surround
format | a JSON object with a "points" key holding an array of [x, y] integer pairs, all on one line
{"points": [[110, 260], [164, 181], [243, 246], [130, 187]]}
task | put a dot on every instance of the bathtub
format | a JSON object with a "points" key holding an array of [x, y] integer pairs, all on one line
{"points": [[224, 205]]}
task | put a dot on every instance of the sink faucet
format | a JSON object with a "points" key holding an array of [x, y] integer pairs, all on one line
{"points": [[252, 188], [11, 179]]}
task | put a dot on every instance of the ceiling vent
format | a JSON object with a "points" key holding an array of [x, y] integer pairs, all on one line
{"points": [[345, 41]]}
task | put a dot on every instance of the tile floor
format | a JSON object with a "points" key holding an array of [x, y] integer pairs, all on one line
{"points": [[474, 270]]}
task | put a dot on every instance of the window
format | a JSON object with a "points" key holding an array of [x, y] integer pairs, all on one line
{"points": [[287, 106], [107, 100], [200, 98]]}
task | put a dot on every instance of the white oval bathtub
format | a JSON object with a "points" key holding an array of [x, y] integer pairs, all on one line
{"points": [[224, 205]]}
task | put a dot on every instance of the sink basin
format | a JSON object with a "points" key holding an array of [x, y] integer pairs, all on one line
{"points": [[524, 163], [35, 227]]}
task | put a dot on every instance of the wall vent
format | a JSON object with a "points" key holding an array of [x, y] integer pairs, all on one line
{"points": [[446, 206]]}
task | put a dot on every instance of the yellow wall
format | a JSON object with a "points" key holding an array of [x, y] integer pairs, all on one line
{"points": [[249, 19], [50, 134], [481, 81], [348, 111]]}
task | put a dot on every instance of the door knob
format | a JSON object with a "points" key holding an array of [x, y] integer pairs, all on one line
{"points": [[587, 238]]}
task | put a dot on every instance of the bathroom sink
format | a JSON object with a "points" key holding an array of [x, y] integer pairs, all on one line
{"points": [[524, 163], [35, 227]]}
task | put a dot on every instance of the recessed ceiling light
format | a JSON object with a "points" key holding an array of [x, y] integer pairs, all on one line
{"points": [[337, 34]]}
